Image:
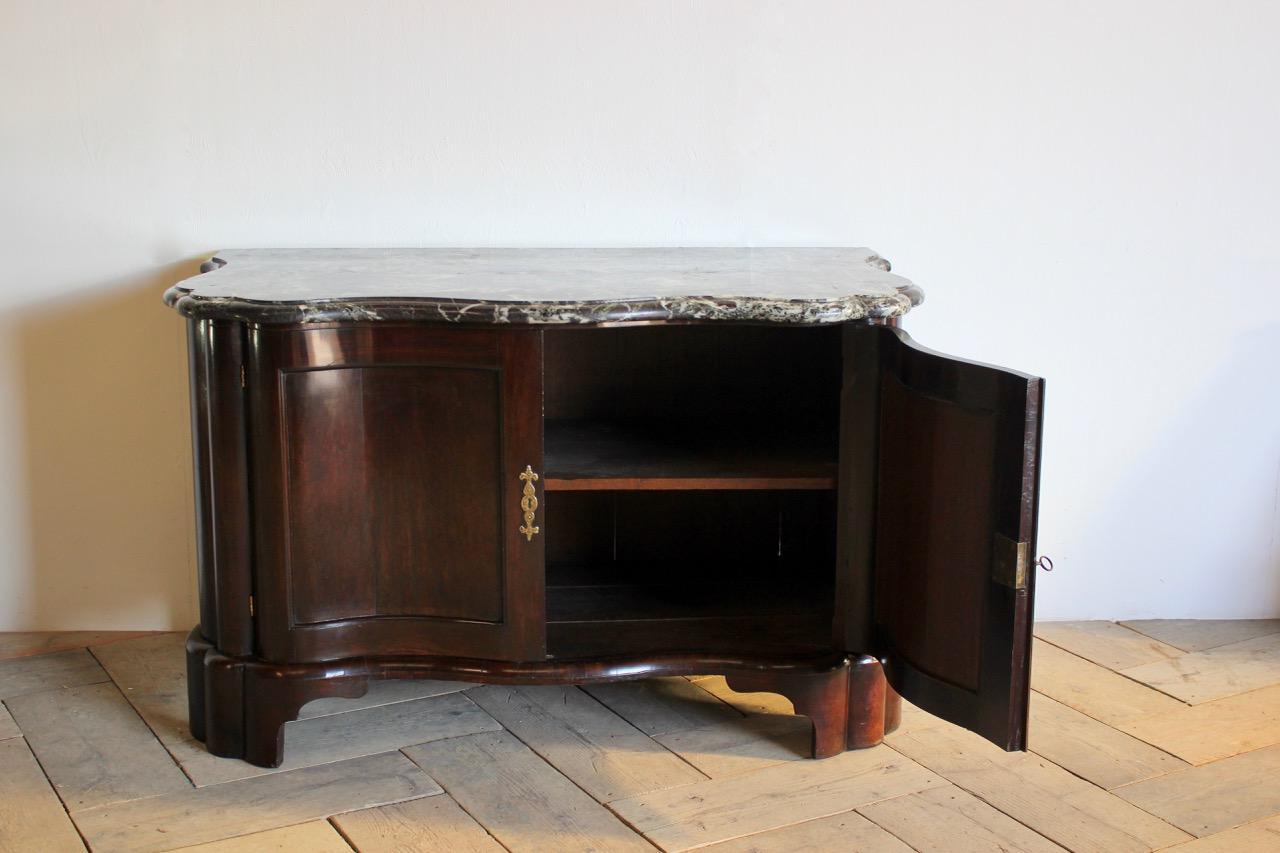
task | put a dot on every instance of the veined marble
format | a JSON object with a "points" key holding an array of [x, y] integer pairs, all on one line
{"points": [[553, 286]]}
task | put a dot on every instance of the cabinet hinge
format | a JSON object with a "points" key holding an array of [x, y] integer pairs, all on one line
{"points": [[251, 606], [1010, 562]]}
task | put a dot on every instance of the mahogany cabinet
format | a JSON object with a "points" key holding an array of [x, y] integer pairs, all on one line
{"points": [[567, 466]]}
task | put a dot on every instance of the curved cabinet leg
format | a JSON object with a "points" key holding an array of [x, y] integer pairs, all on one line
{"points": [[197, 646], [823, 697], [274, 695], [247, 703], [874, 708], [223, 705]]}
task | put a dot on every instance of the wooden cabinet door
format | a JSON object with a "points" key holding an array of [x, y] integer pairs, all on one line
{"points": [[386, 468], [941, 460]]}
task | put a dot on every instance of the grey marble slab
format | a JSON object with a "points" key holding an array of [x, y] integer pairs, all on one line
{"points": [[545, 286]]}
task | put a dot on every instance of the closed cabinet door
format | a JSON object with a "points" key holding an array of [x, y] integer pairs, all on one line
{"points": [[935, 577], [387, 485]]}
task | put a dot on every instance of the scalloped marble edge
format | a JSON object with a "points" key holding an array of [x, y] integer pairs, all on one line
{"points": [[562, 312]]}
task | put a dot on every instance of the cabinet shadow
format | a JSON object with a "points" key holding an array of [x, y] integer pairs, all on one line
{"points": [[103, 397]]}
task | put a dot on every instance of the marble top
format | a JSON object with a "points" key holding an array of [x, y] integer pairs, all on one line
{"points": [[545, 285]]}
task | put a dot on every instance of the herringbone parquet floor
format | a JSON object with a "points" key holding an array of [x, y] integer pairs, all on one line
{"points": [[1147, 735]]}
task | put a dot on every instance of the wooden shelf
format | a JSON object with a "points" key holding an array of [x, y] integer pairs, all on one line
{"points": [[639, 602], [760, 617], [602, 456]]}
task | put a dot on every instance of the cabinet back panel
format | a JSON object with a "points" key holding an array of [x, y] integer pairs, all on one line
{"points": [[933, 540], [690, 537], [695, 373], [393, 492]]}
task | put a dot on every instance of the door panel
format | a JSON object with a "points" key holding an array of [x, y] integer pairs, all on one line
{"points": [[326, 478], [955, 496], [388, 501]]}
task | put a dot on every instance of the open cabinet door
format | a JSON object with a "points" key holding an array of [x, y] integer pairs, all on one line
{"points": [[949, 456]]}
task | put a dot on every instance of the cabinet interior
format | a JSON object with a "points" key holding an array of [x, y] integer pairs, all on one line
{"points": [[690, 479]]}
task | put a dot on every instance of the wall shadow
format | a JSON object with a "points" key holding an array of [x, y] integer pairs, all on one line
{"points": [[104, 402]]}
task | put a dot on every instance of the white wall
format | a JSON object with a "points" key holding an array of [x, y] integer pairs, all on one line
{"points": [[1087, 191]]}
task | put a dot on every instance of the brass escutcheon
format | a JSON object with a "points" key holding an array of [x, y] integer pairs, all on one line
{"points": [[528, 502]]}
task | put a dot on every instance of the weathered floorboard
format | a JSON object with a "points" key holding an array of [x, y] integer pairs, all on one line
{"points": [[659, 706], [31, 818], [791, 792], [316, 836], [8, 728], [1212, 730], [951, 820], [1092, 689], [17, 644], [1106, 643], [847, 831], [94, 747], [1213, 797], [1093, 750], [1215, 673], [742, 745], [1257, 837], [604, 754], [1196, 635], [1072, 812], [519, 798], [48, 672], [253, 805], [367, 731], [428, 823]]}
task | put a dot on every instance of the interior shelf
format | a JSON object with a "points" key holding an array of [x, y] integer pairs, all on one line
{"points": [[756, 612], [586, 455]]}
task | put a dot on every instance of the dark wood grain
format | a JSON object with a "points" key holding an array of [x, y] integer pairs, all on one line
{"points": [[775, 635], [763, 378], [197, 646], [611, 456], [806, 510], [823, 697], [221, 480], [330, 571], [959, 449], [198, 333], [874, 709], [388, 497], [250, 700], [856, 508], [436, 497]]}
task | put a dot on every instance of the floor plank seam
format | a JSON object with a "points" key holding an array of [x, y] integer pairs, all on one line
{"points": [[125, 693], [638, 731], [557, 771], [338, 829], [476, 818], [1114, 672], [1154, 746], [979, 796], [71, 820], [1075, 739], [904, 841]]}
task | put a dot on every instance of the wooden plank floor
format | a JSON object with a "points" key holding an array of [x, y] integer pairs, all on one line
{"points": [[1144, 736]]}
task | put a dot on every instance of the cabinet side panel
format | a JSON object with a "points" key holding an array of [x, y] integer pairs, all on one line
{"points": [[933, 537], [330, 540], [229, 494], [434, 451], [856, 495], [198, 378]]}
